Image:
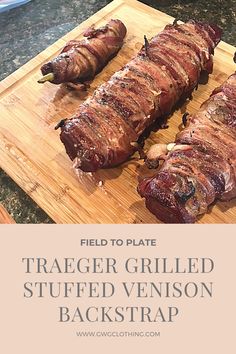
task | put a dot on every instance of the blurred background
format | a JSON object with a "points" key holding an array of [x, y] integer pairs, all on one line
{"points": [[28, 29]]}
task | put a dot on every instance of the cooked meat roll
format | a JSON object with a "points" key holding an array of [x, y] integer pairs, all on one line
{"points": [[81, 60], [201, 166], [102, 132]]}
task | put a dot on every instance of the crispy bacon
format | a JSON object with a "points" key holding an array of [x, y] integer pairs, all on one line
{"points": [[81, 60], [101, 134], [201, 167]]}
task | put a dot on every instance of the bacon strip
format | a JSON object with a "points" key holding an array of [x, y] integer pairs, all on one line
{"points": [[81, 60], [165, 70], [202, 165]]}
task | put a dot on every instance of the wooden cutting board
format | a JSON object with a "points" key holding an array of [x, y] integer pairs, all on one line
{"points": [[31, 151], [5, 218]]}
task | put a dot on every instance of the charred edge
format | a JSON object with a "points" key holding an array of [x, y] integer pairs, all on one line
{"points": [[60, 124], [138, 147], [183, 197], [175, 22], [234, 58], [151, 164], [184, 118], [146, 44]]}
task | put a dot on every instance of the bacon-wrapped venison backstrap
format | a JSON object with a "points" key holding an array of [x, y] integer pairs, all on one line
{"points": [[167, 68], [80, 60], [201, 167]]}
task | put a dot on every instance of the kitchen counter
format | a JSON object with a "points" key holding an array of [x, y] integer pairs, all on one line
{"points": [[27, 30]]}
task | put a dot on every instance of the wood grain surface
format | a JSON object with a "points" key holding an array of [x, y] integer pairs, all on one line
{"points": [[31, 151], [5, 218]]}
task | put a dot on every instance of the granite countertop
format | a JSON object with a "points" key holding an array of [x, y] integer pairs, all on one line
{"points": [[27, 30]]}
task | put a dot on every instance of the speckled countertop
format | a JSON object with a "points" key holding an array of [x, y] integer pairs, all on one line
{"points": [[27, 30]]}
